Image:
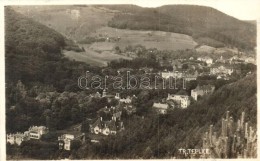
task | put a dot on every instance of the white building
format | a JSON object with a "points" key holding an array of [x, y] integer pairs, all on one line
{"points": [[173, 74], [201, 90], [182, 100], [35, 132], [17, 138], [221, 70], [65, 141], [207, 60], [161, 107]]}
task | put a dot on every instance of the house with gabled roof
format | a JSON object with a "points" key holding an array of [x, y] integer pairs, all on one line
{"points": [[106, 127]]}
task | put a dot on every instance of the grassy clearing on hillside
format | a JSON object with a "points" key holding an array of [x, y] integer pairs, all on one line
{"points": [[205, 49], [92, 57], [149, 39]]}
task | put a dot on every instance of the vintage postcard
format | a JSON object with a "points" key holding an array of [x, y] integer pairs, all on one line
{"points": [[129, 80]]}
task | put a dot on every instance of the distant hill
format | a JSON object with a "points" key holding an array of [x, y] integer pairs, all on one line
{"points": [[206, 25], [197, 21], [251, 22]]}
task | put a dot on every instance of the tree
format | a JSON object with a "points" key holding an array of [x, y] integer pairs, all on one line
{"points": [[85, 127], [75, 144]]}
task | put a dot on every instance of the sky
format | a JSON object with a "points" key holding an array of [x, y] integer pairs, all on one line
{"points": [[240, 9]]}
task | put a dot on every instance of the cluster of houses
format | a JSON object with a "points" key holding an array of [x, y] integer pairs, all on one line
{"points": [[113, 124], [182, 101], [34, 132], [222, 68], [110, 125]]}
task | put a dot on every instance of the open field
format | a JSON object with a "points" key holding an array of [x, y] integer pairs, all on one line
{"points": [[205, 49], [150, 39], [93, 58]]}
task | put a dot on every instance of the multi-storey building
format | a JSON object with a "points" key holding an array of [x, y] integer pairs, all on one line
{"points": [[201, 90], [34, 132], [161, 107], [17, 138], [182, 100]]}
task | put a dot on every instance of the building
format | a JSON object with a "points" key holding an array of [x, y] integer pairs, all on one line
{"points": [[190, 77], [106, 127], [207, 60], [161, 108], [250, 60], [17, 138], [182, 100], [127, 100], [66, 140], [35, 132], [173, 74], [201, 90], [129, 109], [221, 69]]}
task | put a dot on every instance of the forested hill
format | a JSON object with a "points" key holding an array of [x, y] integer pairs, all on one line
{"points": [[28, 44], [197, 21], [33, 53]]}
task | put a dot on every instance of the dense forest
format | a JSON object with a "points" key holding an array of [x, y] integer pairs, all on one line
{"points": [[205, 24], [34, 54]]}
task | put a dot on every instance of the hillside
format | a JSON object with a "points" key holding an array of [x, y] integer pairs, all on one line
{"points": [[197, 21], [206, 25], [74, 22], [33, 54]]}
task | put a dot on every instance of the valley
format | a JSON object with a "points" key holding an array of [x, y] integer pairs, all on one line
{"points": [[127, 82]]}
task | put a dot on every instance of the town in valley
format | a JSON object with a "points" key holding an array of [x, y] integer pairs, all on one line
{"points": [[107, 82]]}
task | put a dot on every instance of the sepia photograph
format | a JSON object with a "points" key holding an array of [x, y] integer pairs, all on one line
{"points": [[130, 80]]}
